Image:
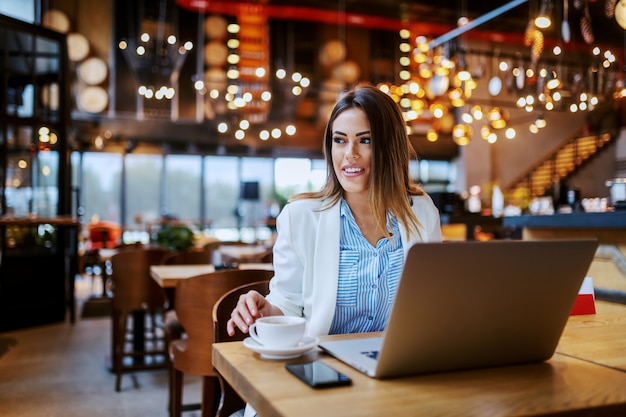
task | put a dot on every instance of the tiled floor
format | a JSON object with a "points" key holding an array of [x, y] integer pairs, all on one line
{"points": [[61, 370]]}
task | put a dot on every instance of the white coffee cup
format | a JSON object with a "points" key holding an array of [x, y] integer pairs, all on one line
{"points": [[278, 332]]}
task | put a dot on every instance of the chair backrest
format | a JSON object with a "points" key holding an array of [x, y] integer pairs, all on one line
{"points": [[133, 287], [189, 257], [194, 301], [230, 401], [226, 304]]}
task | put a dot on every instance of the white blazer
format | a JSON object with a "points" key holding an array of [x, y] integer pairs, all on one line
{"points": [[306, 258]]}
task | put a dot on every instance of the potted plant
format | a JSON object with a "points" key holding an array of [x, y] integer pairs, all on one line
{"points": [[176, 237]]}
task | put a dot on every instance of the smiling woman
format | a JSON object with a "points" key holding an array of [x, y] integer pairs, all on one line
{"points": [[367, 212], [352, 234]]}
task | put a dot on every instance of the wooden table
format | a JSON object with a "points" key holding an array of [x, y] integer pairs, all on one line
{"points": [[167, 276], [241, 253], [564, 385], [598, 338], [257, 265]]}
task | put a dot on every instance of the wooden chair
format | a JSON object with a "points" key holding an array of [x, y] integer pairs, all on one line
{"points": [[230, 401], [173, 329], [136, 294], [194, 301]]}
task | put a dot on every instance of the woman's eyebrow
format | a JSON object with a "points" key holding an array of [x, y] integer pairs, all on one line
{"points": [[338, 132]]}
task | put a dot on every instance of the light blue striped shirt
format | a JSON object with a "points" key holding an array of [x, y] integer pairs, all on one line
{"points": [[368, 277]]}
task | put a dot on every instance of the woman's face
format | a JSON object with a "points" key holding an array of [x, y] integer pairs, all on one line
{"points": [[352, 150]]}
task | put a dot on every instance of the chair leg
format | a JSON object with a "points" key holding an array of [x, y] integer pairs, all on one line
{"points": [[114, 335], [176, 392], [119, 339], [210, 396], [230, 402], [115, 317], [170, 386]]}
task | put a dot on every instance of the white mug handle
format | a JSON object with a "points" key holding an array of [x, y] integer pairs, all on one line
{"points": [[253, 334]]}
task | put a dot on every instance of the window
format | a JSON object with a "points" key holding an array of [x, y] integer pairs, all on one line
{"points": [[143, 189], [292, 176], [172, 185], [255, 212], [318, 174], [221, 182], [19, 9], [183, 186], [102, 178]]}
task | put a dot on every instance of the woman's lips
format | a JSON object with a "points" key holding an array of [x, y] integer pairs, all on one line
{"points": [[351, 171]]}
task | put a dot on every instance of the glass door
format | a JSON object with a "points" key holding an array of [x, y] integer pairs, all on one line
{"points": [[33, 121]]}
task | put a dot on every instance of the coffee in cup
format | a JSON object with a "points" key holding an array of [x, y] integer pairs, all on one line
{"points": [[278, 332]]}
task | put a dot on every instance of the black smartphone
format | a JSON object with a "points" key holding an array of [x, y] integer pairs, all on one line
{"points": [[318, 375]]}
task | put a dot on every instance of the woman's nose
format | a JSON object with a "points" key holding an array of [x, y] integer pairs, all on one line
{"points": [[352, 152]]}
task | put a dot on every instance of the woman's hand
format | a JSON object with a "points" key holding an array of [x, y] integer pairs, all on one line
{"points": [[250, 307]]}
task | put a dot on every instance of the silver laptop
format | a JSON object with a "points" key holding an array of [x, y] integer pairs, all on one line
{"points": [[464, 305]]}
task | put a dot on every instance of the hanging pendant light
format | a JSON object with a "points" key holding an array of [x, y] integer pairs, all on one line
{"points": [[543, 19], [620, 13]]}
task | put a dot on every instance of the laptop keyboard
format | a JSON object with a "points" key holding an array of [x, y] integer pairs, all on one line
{"points": [[371, 354]]}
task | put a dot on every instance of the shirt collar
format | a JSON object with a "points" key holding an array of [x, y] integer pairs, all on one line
{"points": [[392, 222]]}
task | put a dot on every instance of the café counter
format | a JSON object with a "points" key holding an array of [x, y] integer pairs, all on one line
{"points": [[613, 220], [608, 268]]}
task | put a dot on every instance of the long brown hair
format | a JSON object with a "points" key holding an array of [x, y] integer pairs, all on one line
{"points": [[390, 183]]}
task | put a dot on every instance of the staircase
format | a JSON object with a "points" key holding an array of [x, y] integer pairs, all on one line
{"points": [[557, 166]]}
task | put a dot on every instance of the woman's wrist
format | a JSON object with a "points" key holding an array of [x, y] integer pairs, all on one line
{"points": [[275, 311]]}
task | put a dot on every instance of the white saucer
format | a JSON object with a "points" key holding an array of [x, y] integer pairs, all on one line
{"points": [[305, 345]]}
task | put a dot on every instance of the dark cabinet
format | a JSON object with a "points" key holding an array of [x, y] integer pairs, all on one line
{"points": [[37, 269]]}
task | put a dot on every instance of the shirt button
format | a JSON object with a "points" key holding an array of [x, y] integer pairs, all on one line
{"points": [[370, 318], [374, 286]]}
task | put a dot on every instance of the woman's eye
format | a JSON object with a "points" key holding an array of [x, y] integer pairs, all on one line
{"points": [[338, 140], [366, 140]]}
